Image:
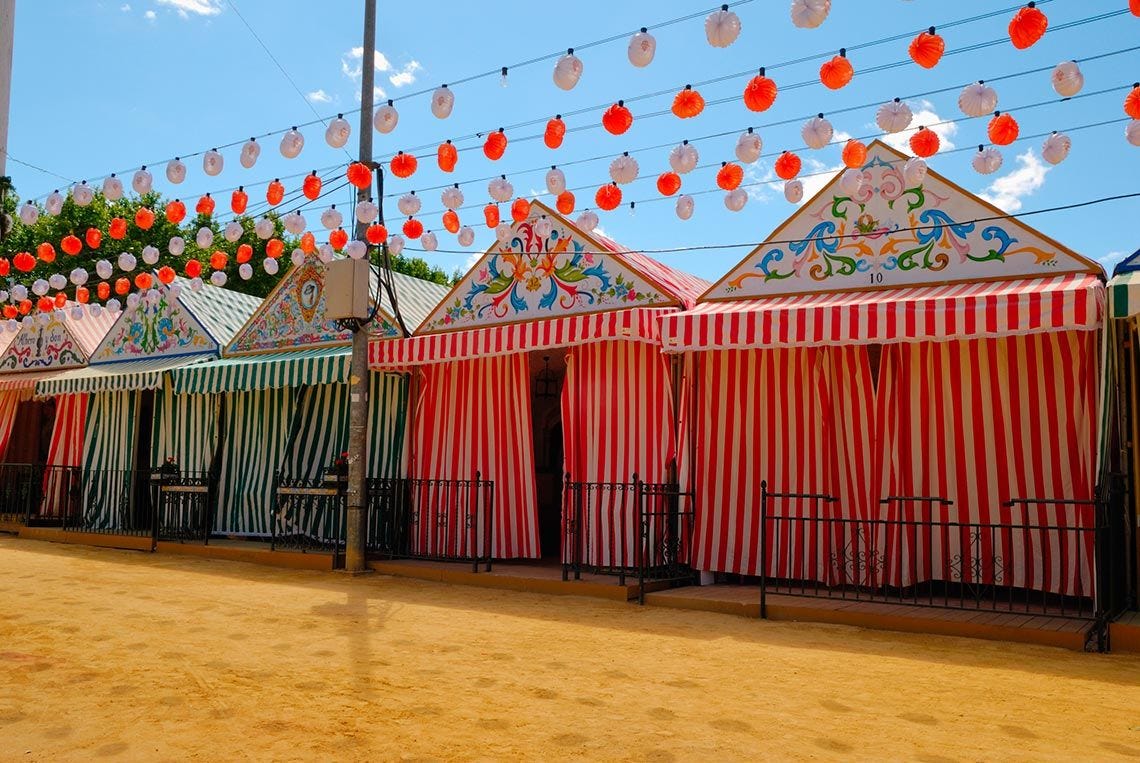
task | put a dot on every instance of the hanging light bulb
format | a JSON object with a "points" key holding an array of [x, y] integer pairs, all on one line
{"points": [[503, 77]]}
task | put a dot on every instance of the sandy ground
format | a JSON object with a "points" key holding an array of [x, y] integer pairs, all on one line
{"points": [[126, 655]]}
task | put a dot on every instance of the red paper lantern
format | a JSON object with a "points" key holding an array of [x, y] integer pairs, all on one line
{"points": [[238, 200], [565, 202], [24, 262], [60, 299], [118, 228], [787, 165], [103, 291], [1134, 6], [166, 274], [491, 215], [688, 103], [413, 228], [729, 176], [1027, 26], [143, 281], [608, 197], [925, 142], [451, 221], [175, 212], [617, 118], [205, 205], [71, 245], [760, 92], [193, 268], [520, 210], [45, 305], [311, 186], [82, 295], [25, 306], [274, 248], [338, 238], [10, 311], [837, 72], [376, 234], [219, 260], [144, 218], [94, 237], [495, 145], [46, 252], [446, 156], [556, 131], [275, 193], [5, 267], [926, 50], [668, 183], [244, 253], [359, 175], [308, 242], [1002, 129], [854, 154], [122, 286], [403, 165], [1132, 100]]}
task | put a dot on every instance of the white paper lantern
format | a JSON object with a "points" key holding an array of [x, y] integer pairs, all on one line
{"points": [[175, 171], [543, 226], [356, 249], [271, 266], [987, 161], [642, 48], [555, 181], [265, 229], [133, 301], [325, 253], [233, 231], [395, 243], [683, 158], [338, 132], [624, 169], [78, 313], [386, 118], [409, 204], [82, 194], [297, 257], [294, 222], [894, 116], [103, 269], [568, 71], [176, 246], [978, 99], [452, 198], [501, 189], [466, 236], [1067, 79], [1056, 147], [114, 306], [504, 233], [1132, 132], [196, 284], [587, 221], [150, 254], [39, 287], [291, 144], [809, 14], [331, 219], [850, 181], [57, 281], [95, 310], [735, 199], [112, 188], [794, 191], [429, 242], [204, 238], [749, 146], [685, 206], [3, 296], [174, 290], [28, 213], [143, 181], [218, 278], [78, 276], [722, 27], [213, 162], [20, 292], [245, 271], [127, 261], [442, 101], [914, 172], [53, 205], [366, 212], [817, 132], [250, 151]]}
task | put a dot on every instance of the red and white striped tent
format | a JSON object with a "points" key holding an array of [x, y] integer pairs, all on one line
{"points": [[550, 286], [910, 340]]}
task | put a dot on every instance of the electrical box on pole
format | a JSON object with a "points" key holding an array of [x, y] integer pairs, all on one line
{"points": [[346, 289]]}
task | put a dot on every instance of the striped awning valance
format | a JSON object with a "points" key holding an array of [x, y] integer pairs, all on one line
{"points": [[113, 377], [25, 380], [269, 371], [1124, 295]]}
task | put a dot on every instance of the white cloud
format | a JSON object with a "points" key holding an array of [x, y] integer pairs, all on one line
{"points": [[351, 63], [1111, 260], [319, 96], [406, 75], [196, 7], [150, 15], [378, 95], [125, 7], [1008, 190], [815, 176], [924, 116]]}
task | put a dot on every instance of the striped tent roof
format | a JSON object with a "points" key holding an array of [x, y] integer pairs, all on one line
{"points": [[327, 365], [222, 311], [112, 377], [1124, 294]]}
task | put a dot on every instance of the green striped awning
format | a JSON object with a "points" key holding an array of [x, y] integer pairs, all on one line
{"points": [[270, 371], [1124, 295], [113, 377]]}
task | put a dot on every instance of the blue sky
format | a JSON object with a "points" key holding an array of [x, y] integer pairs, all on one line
{"points": [[102, 85]]}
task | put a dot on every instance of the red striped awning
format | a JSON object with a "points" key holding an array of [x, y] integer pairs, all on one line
{"points": [[635, 324], [953, 311]]}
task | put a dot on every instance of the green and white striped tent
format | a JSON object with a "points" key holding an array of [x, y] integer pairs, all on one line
{"points": [[283, 389], [1120, 401]]}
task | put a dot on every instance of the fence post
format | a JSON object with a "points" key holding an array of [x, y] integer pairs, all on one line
{"points": [[641, 540], [764, 549]]}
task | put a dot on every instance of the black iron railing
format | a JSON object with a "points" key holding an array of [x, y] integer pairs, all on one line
{"points": [[114, 502], [183, 506], [309, 514], [445, 520], [20, 488], [665, 532], [60, 495]]}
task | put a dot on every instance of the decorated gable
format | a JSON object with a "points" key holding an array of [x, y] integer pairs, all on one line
{"points": [[162, 326], [892, 234], [548, 269], [43, 346], [293, 317]]}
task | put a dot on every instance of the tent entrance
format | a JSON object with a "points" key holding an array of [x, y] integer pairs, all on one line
{"points": [[547, 376]]}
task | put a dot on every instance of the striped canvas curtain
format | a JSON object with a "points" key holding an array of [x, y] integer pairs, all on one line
{"points": [[9, 404], [617, 419], [984, 421], [256, 430], [475, 416], [320, 431], [109, 459], [185, 428], [61, 485], [387, 425]]}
